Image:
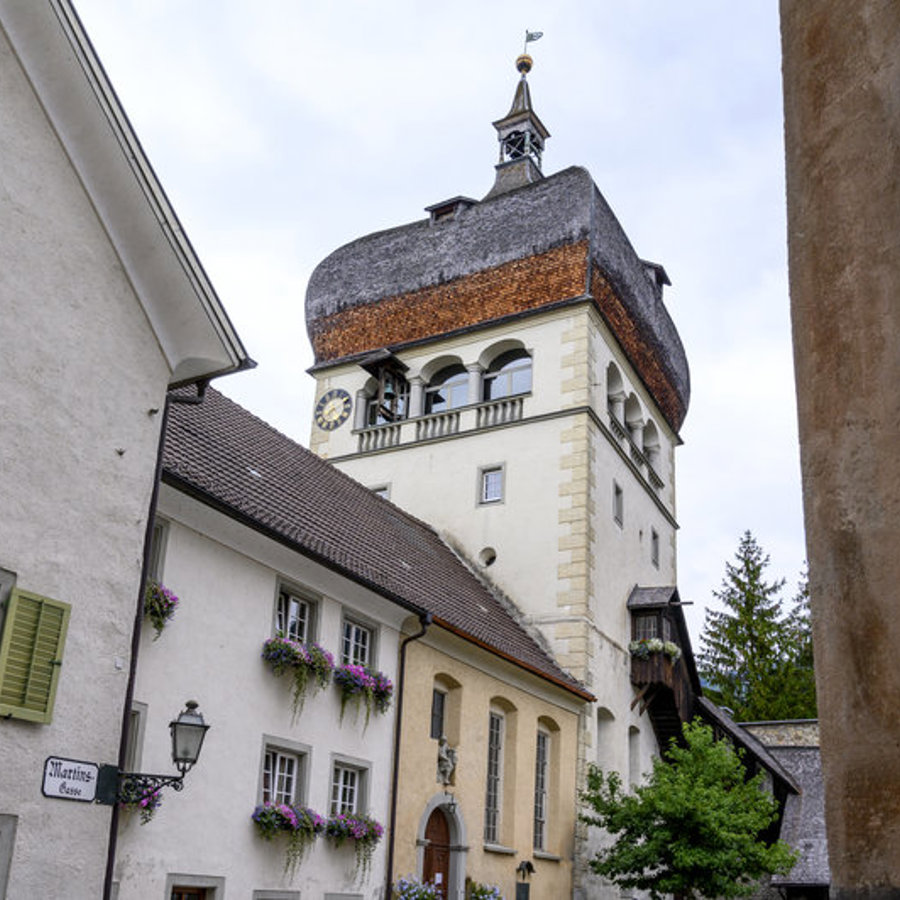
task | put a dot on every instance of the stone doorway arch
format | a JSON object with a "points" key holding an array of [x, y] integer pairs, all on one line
{"points": [[441, 846]]}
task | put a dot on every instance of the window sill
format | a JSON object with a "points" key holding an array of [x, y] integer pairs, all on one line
{"points": [[548, 857], [499, 848]]}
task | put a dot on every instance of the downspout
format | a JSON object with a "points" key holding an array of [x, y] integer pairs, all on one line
{"points": [[425, 619], [138, 622]]}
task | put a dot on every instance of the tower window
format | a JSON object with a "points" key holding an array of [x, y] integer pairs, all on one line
{"points": [[490, 484], [508, 374], [391, 400], [618, 504], [448, 389], [654, 547]]}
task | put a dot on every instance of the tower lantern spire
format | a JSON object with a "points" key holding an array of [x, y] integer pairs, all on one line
{"points": [[521, 135]]}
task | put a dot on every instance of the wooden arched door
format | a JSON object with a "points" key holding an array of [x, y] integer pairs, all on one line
{"points": [[436, 866]]}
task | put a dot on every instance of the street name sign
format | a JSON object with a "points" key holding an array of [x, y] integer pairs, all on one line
{"points": [[70, 779]]}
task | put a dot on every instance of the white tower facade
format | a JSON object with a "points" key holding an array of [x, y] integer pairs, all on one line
{"points": [[507, 371]]}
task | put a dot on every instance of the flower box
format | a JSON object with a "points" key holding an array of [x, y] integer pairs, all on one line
{"points": [[361, 685], [364, 831], [309, 665], [159, 605], [299, 825]]}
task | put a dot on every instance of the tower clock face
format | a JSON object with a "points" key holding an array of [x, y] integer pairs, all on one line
{"points": [[333, 409]]}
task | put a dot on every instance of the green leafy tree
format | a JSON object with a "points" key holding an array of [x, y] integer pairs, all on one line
{"points": [[756, 660], [693, 829]]}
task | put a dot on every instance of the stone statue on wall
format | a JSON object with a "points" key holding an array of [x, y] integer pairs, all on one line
{"points": [[446, 762]]}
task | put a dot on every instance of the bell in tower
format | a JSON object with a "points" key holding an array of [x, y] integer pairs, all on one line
{"points": [[522, 136]]}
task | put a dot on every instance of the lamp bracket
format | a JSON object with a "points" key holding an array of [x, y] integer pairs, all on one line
{"points": [[115, 787]]}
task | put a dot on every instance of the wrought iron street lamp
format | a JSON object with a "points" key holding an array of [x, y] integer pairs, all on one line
{"points": [[188, 731]]}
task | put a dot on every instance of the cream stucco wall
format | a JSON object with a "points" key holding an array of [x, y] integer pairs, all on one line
{"points": [[227, 577], [81, 375], [478, 682]]}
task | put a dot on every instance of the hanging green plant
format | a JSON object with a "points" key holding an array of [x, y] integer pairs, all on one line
{"points": [[137, 799], [364, 831], [310, 666], [159, 605], [299, 824], [361, 685]]}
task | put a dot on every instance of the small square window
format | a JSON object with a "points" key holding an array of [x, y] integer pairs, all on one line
{"points": [[654, 547], [618, 504], [294, 616], [490, 484], [357, 644], [347, 789]]}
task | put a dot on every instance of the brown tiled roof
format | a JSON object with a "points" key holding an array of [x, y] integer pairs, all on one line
{"points": [[230, 459]]}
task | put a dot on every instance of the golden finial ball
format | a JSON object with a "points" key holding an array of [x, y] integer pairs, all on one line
{"points": [[524, 63]]}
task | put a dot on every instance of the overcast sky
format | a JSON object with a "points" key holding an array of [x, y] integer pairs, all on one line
{"points": [[282, 129]]}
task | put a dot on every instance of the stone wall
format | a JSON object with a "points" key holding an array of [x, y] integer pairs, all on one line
{"points": [[842, 124]]}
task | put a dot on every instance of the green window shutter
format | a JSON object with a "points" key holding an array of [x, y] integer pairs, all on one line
{"points": [[31, 649]]}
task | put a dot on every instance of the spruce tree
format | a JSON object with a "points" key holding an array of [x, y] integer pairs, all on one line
{"points": [[755, 660], [744, 647], [800, 687]]}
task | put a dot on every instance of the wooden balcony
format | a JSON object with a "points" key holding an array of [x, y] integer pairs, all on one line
{"points": [[665, 692]]}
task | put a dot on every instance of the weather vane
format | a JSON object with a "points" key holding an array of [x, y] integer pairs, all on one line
{"points": [[531, 36]]}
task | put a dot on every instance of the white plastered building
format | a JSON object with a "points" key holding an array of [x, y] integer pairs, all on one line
{"points": [[104, 307]]}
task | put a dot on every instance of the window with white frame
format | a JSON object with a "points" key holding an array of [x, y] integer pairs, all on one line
{"points": [[348, 784], [449, 389], [357, 644], [282, 780], [493, 793], [509, 374], [490, 484], [294, 616], [541, 773]]}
